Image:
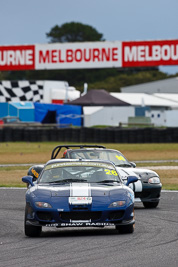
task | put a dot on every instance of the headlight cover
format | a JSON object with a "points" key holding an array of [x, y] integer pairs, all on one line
{"points": [[43, 205], [146, 176], [117, 204], [154, 180]]}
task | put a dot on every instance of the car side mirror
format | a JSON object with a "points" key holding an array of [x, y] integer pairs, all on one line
{"points": [[133, 164], [28, 180], [131, 179]]}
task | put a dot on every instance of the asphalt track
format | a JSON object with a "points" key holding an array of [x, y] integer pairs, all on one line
{"points": [[154, 242]]}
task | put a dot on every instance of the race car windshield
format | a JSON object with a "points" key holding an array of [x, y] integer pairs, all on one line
{"points": [[115, 156], [79, 174]]}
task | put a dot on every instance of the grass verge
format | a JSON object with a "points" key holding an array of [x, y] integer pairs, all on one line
{"points": [[35, 153]]}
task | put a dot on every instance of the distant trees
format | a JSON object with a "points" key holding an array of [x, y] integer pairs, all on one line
{"points": [[74, 32], [122, 79]]}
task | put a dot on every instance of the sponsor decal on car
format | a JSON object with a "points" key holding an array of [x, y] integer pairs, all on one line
{"points": [[77, 224], [80, 200], [71, 164]]}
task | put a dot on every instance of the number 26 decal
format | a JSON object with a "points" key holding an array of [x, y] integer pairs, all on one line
{"points": [[110, 172]]}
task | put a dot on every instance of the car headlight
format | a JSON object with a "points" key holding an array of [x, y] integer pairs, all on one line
{"points": [[117, 204], [146, 175], [154, 180], [43, 205]]}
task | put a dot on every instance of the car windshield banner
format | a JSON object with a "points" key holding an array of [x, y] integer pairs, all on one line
{"points": [[79, 164]]}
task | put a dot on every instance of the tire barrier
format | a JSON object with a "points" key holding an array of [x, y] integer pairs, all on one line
{"points": [[89, 135]]}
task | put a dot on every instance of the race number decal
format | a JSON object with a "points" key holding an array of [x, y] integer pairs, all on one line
{"points": [[120, 158], [111, 172]]}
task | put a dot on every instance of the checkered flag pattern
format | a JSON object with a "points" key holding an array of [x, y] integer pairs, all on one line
{"points": [[16, 91]]}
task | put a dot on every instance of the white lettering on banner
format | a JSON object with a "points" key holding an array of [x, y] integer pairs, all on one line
{"points": [[156, 53], [16, 57], [141, 53], [153, 53], [79, 55], [29, 57]]}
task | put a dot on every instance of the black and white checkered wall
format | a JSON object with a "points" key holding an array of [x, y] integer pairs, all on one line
{"points": [[16, 91]]}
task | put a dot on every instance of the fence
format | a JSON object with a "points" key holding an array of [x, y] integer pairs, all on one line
{"points": [[89, 135]]}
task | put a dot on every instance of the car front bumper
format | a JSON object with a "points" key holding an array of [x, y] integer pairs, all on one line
{"points": [[150, 193], [79, 224], [90, 218]]}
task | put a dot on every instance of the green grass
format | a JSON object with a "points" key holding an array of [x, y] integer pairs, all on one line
{"points": [[40, 152]]}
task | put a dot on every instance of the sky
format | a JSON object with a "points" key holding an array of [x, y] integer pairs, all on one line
{"points": [[28, 21]]}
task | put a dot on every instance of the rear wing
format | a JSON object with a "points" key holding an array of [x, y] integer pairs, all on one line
{"points": [[57, 149]]}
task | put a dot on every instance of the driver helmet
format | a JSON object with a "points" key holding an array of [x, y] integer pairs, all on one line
{"points": [[65, 152]]}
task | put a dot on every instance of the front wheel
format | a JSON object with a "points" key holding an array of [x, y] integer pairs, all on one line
{"points": [[31, 230], [150, 205], [125, 229]]}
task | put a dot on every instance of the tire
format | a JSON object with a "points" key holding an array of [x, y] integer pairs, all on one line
{"points": [[150, 205], [125, 229], [31, 230]]}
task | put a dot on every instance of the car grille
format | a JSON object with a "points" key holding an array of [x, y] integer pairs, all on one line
{"points": [[77, 216], [116, 215], [44, 216]]}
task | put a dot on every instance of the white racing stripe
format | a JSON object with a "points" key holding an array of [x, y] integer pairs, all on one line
{"points": [[80, 194], [80, 190]]}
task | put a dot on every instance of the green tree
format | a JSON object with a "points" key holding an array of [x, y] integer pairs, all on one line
{"points": [[74, 32]]}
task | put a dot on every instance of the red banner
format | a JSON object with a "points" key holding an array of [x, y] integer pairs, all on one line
{"points": [[17, 57], [149, 53]]}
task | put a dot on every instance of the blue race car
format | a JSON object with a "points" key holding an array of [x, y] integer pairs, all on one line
{"points": [[78, 193]]}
